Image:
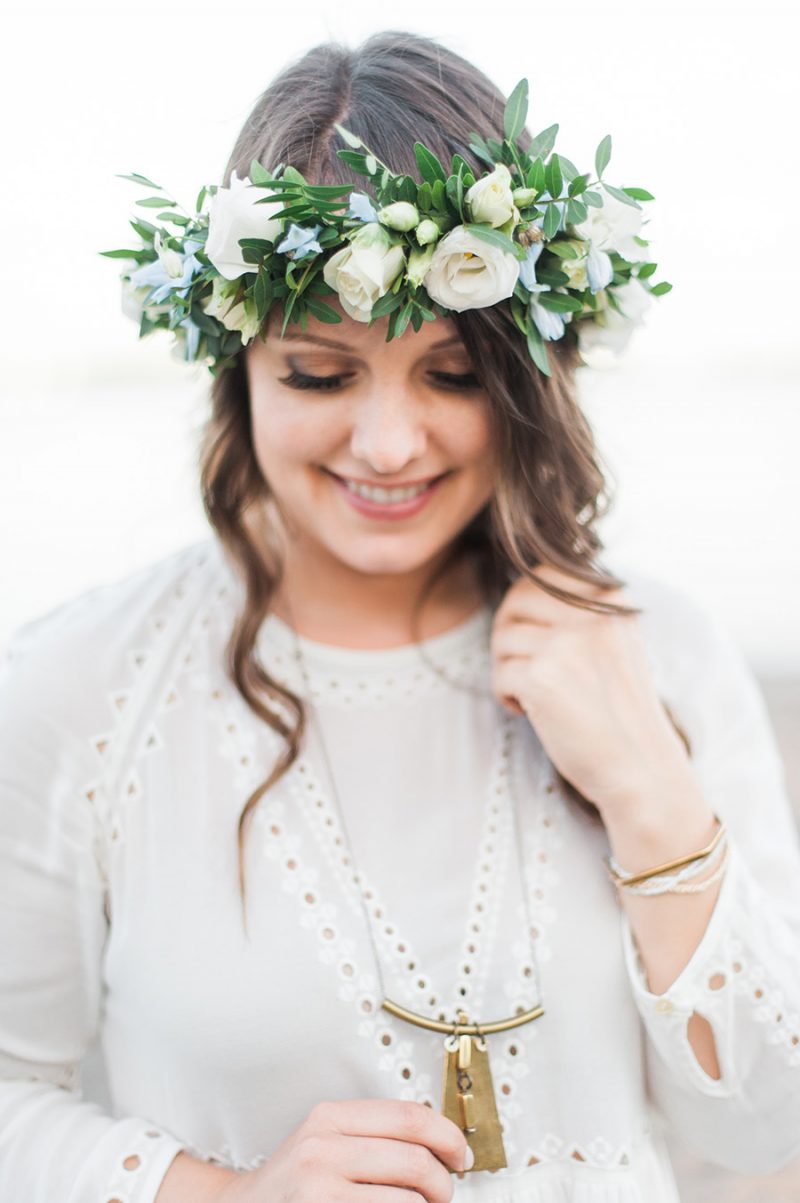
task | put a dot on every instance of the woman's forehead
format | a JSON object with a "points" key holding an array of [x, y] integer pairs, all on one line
{"points": [[360, 338]]}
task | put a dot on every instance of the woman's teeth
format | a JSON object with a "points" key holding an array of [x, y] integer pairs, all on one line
{"points": [[386, 495]]}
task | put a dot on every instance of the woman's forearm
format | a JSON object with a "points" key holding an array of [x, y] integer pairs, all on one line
{"points": [[668, 927], [190, 1180]]}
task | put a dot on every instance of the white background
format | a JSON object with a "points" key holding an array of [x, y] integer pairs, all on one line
{"points": [[699, 424]]}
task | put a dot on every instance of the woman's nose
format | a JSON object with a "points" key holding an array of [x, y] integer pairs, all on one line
{"points": [[388, 431]]}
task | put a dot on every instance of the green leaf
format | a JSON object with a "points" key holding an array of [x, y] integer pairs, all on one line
{"points": [[578, 184], [176, 218], [552, 221], [258, 174], [576, 212], [405, 189], [568, 168], [429, 166], [460, 165], [658, 290], [326, 191], [622, 196], [425, 196], [155, 202], [354, 159], [479, 148], [602, 155], [385, 305], [553, 177], [551, 276], [639, 193], [401, 320], [121, 254], [516, 110], [646, 270], [201, 196], [293, 175], [454, 189], [371, 164], [559, 302], [319, 309], [543, 143], [489, 234], [350, 138], [144, 229], [593, 198], [417, 319], [262, 294], [564, 249], [140, 179], [537, 349], [439, 196], [536, 176]]}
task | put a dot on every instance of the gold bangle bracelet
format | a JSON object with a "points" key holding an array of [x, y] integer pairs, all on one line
{"points": [[635, 878]]}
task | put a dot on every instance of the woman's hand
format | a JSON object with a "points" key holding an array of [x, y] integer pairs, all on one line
{"points": [[584, 681], [359, 1151]]}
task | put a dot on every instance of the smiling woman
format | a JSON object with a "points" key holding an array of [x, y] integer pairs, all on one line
{"points": [[529, 888], [351, 417]]}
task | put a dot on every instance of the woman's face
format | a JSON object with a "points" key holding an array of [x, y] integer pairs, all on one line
{"points": [[387, 414]]}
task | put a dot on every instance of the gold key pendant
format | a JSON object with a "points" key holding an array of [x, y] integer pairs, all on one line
{"points": [[468, 1097]]}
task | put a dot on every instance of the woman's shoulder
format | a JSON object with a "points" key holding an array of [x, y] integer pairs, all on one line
{"points": [[87, 635], [698, 663]]}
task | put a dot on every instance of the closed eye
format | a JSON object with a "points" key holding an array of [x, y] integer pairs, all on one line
{"points": [[301, 380]]}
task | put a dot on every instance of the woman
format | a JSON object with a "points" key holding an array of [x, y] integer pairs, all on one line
{"points": [[441, 715]]}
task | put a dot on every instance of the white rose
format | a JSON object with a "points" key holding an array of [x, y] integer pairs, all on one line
{"points": [[467, 272], [613, 228], [365, 270], [606, 335], [241, 316], [233, 214], [490, 198]]}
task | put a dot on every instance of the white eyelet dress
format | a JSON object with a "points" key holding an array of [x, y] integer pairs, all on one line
{"points": [[126, 758]]}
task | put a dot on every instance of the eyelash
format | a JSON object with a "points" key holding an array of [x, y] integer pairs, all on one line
{"points": [[301, 380]]}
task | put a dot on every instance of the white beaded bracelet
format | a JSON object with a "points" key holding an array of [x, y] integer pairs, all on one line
{"points": [[678, 883]]}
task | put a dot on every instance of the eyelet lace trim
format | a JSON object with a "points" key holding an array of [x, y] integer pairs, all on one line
{"points": [[406, 975], [122, 1184]]}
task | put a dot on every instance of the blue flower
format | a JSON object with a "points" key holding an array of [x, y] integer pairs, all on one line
{"points": [[527, 273], [170, 272], [192, 337], [549, 324], [301, 240], [599, 270], [362, 207]]}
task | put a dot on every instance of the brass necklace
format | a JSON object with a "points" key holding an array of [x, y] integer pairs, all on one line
{"points": [[468, 1096]]}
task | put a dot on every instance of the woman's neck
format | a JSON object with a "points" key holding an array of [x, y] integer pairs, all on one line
{"points": [[378, 614]]}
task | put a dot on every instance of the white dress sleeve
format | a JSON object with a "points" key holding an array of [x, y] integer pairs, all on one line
{"points": [[744, 976], [54, 1146]]}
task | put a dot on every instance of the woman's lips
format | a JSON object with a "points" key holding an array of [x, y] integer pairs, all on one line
{"points": [[390, 510]]}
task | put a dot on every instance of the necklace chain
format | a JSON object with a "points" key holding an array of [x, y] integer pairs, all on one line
{"points": [[394, 1008]]}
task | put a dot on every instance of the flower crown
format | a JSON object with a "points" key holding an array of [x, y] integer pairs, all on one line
{"points": [[531, 231]]}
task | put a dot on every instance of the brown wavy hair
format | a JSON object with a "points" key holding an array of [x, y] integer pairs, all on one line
{"points": [[393, 89]]}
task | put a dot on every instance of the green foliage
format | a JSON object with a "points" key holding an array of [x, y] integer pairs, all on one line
{"points": [[439, 195]]}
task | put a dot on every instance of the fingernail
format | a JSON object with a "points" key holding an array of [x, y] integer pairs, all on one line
{"points": [[469, 1160]]}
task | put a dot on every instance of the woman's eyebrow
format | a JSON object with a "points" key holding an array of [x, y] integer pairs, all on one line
{"points": [[298, 336]]}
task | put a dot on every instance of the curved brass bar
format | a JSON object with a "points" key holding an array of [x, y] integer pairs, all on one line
{"points": [[467, 1029]]}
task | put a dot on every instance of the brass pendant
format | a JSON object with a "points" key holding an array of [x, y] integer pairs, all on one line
{"points": [[468, 1098]]}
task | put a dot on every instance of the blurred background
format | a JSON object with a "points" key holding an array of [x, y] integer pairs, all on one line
{"points": [[699, 422]]}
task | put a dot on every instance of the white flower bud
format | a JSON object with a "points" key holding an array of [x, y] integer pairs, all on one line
{"points": [[401, 215]]}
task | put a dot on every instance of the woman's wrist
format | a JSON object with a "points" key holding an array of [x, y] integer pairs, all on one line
{"points": [[189, 1178]]}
